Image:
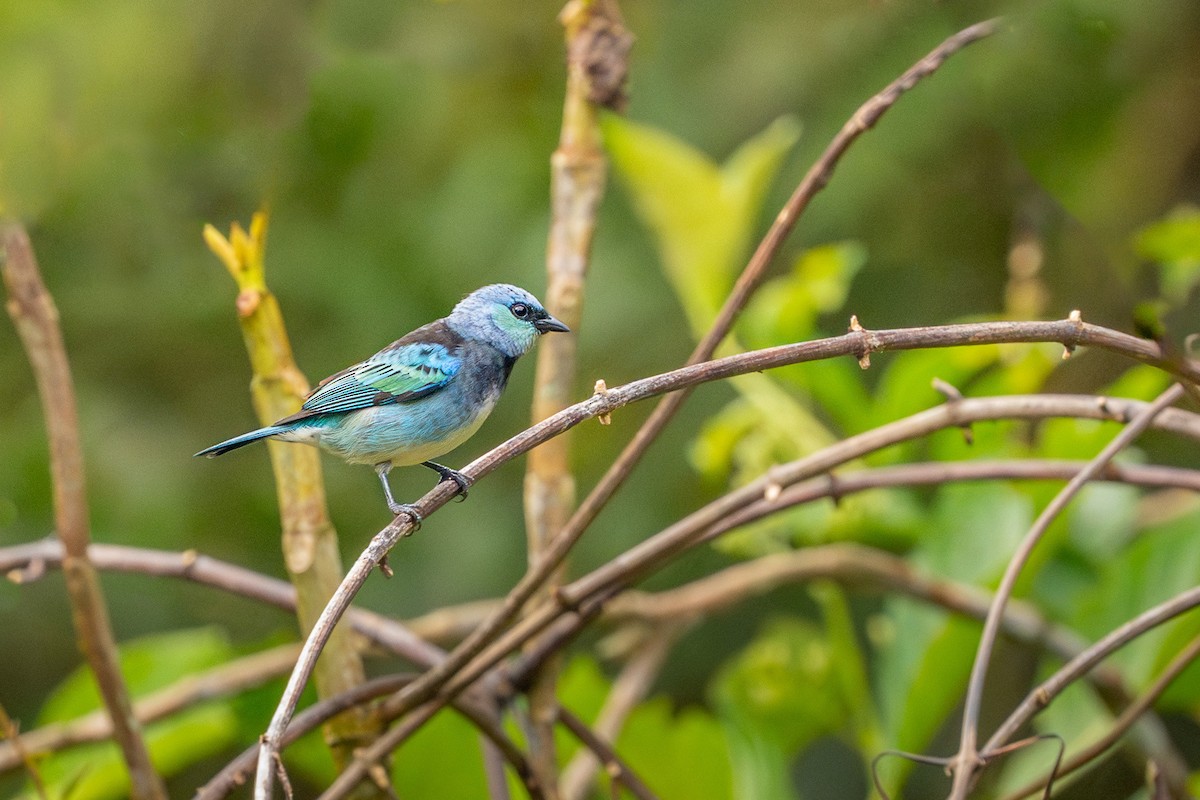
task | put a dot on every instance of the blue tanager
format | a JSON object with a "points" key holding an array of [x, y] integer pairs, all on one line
{"points": [[422, 395]]}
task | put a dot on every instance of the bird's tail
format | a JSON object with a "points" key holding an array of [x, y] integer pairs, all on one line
{"points": [[244, 439]]}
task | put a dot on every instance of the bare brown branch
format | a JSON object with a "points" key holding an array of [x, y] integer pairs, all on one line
{"points": [[36, 318], [221, 681], [614, 765], [968, 759], [1128, 717], [1071, 333]]}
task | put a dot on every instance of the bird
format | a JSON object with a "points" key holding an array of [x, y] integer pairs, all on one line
{"points": [[422, 395]]}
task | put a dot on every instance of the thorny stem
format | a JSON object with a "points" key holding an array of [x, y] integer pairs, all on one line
{"points": [[968, 758], [1071, 333], [33, 312], [581, 600]]}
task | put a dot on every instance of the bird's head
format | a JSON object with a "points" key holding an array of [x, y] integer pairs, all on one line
{"points": [[506, 317]]}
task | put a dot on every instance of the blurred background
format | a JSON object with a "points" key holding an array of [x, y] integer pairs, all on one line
{"points": [[402, 149]]}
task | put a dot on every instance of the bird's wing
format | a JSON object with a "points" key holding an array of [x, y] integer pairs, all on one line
{"points": [[404, 371]]}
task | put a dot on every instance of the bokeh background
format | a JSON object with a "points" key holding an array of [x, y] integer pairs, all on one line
{"points": [[402, 149]]}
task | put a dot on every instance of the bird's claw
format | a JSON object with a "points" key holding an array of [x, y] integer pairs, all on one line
{"points": [[411, 512], [463, 481]]}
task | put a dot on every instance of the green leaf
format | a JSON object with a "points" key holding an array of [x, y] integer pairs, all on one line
{"points": [[1159, 564], [148, 664], [786, 309], [701, 214], [1174, 243], [451, 743], [850, 674], [921, 672], [679, 753], [96, 771], [781, 692]]}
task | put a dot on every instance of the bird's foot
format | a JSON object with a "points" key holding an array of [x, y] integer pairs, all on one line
{"points": [[464, 482], [411, 512]]}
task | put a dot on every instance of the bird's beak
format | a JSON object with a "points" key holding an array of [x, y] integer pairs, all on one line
{"points": [[550, 324]]}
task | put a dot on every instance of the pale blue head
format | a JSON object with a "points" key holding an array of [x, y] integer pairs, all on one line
{"points": [[505, 316]]}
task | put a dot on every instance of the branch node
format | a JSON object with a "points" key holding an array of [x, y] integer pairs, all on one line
{"points": [[601, 390], [864, 357], [565, 598], [835, 489], [947, 390], [773, 487], [188, 559], [1076, 319], [379, 776], [953, 395], [31, 572], [384, 566]]}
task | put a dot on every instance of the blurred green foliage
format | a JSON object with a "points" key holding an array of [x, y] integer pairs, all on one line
{"points": [[403, 148]]}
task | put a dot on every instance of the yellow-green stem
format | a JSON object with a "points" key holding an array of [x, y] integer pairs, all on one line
{"points": [[310, 547]]}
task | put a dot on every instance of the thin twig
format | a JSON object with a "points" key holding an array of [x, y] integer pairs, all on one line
{"points": [[36, 318], [1041, 696], [856, 565], [581, 600], [616, 767], [1122, 724], [751, 277], [236, 772], [968, 759], [10, 732], [578, 598], [389, 634], [628, 689]]}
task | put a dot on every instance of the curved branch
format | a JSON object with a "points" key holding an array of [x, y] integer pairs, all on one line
{"points": [[969, 759], [36, 318], [1123, 722], [582, 600], [220, 681], [1070, 333], [1041, 696]]}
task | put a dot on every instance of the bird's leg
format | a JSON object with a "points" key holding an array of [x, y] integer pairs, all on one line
{"points": [[448, 474], [382, 469]]}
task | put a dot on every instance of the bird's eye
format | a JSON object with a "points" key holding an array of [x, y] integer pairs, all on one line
{"points": [[520, 310]]}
